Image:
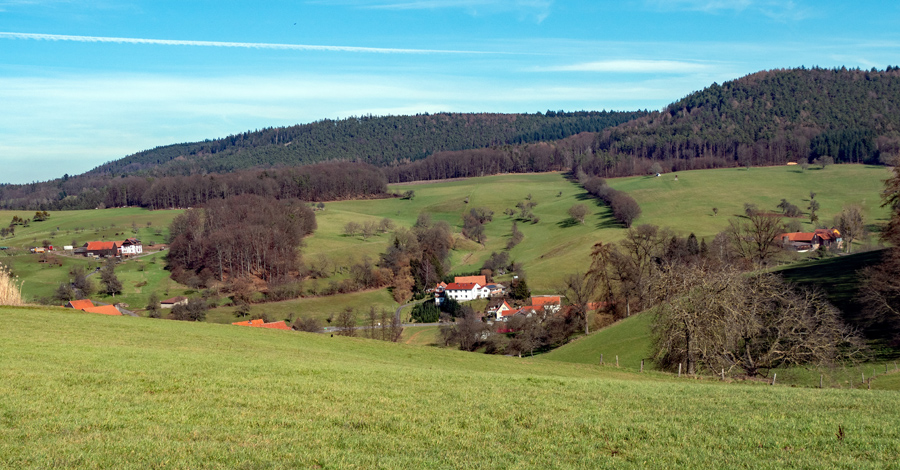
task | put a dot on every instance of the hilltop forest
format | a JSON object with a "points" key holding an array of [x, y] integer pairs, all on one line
{"points": [[773, 117]]}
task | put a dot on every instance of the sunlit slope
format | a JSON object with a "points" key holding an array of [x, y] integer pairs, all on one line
{"points": [[85, 391], [554, 246]]}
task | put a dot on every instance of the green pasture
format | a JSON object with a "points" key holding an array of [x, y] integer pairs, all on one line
{"points": [[40, 280], [90, 391], [64, 227], [316, 307], [556, 246], [421, 335], [686, 204], [629, 339]]}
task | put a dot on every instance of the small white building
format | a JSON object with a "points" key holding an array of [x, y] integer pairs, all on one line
{"points": [[131, 247], [464, 292]]}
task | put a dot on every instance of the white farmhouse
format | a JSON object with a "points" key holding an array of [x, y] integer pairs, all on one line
{"points": [[131, 247], [463, 292]]}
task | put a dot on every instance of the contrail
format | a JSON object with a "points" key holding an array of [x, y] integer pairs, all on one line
{"points": [[244, 45]]}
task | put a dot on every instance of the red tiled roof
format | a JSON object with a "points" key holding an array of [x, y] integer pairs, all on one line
{"points": [[826, 234], [79, 304], [480, 280], [456, 286], [103, 309], [545, 299], [798, 236], [259, 323], [98, 246]]}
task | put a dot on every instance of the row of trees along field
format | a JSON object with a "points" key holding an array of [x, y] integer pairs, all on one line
{"points": [[321, 182]]}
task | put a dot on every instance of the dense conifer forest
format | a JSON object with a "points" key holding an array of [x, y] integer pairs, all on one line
{"points": [[381, 141], [807, 116]]}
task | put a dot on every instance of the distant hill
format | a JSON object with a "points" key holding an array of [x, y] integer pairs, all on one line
{"points": [[766, 118], [381, 141]]}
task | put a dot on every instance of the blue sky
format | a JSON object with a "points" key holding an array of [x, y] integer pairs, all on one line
{"points": [[85, 82]]}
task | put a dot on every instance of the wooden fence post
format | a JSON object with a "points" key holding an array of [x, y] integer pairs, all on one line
{"points": [[774, 376], [601, 359], [617, 360], [679, 369], [821, 376], [642, 365], [723, 373]]}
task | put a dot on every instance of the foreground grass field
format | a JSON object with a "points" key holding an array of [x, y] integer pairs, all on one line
{"points": [[86, 391]]}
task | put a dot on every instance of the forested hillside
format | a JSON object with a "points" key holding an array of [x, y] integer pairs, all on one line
{"points": [[766, 118], [381, 141], [807, 116]]}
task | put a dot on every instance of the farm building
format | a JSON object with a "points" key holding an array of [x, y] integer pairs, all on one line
{"points": [[169, 303], [129, 247], [86, 305], [808, 241], [462, 292]]}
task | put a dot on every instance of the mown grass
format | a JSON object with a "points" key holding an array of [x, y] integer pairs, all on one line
{"points": [[86, 391], [315, 307], [421, 335], [629, 339]]}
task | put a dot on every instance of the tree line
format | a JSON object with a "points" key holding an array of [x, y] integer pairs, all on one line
{"points": [[320, 182], [246, 235]]}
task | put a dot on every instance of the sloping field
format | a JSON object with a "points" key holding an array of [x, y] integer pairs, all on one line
{"points": [[554, 247], [629, 339], [85, 391]]}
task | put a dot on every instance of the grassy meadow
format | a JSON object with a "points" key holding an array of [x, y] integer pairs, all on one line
{"points": [[551, 248], [555, 246], [89, 391]]}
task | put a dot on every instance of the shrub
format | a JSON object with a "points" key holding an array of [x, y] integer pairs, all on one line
{"points": [[10, 291]]}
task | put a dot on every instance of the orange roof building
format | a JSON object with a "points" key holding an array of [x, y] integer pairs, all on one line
{"points": [[103, 310], [259, 323], [79, 304], [480, 280], [541, 300], [89, 307]]}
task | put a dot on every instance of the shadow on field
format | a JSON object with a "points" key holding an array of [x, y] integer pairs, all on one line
{"points": [[606, 221], [570, 222]]}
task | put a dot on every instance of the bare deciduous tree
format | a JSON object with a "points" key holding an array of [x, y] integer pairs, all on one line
{"points": [[723, 319], [579, 289], [851, 225], [346, 322], [755, 238], [578, 212]]}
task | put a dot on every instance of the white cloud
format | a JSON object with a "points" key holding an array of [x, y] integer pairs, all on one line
{"points": [[245, 45], [631, 66]]}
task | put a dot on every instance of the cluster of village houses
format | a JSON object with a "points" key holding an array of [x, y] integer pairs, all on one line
{"points": [[466, 288]]}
